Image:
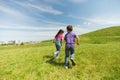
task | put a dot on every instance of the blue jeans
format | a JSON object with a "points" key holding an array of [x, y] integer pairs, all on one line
{"points": [[58, 44], [58, 48], [68, 51]]}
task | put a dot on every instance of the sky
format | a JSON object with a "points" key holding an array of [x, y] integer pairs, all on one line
{"points": [[36, 20]]}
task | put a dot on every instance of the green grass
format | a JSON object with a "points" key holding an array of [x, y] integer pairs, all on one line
{"points": [[102, 36], [97, 58]]}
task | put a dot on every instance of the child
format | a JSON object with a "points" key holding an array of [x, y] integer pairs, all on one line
{"points": [[58, 42], [69, 48]]}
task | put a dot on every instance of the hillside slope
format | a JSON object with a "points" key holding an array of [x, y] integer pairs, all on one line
{"points": [[111, 31], [105, 35]]}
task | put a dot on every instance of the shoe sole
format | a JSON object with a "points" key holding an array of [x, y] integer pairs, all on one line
{"points": [[73, 62], [65, 67]]}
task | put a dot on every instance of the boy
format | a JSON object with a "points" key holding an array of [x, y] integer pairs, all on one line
{"points": [[69, 48]]}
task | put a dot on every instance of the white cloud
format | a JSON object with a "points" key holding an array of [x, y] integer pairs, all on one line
{"points": [[87, 23], [79, 30], [103, 20], [7, 35], [78, 1], [58, 2], [25, 36], [43, 33], [75, 17], [17, 14], [41, 7], [10, 11], [29, 27], [47, 9], [54, 23], [32, 0]]}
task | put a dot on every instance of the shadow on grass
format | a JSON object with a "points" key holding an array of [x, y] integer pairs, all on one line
{"points": [[51, 60]]}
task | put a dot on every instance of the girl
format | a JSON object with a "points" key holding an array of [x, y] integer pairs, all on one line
{"points": [[58, 42]]}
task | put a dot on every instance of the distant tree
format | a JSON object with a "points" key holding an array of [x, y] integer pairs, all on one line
{"points": [[22, 43]]}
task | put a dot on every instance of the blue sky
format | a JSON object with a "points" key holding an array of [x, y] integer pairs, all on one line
{"points": [[34, 20]]}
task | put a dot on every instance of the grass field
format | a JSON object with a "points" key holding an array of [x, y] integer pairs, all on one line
{"points": [[97, 58]]}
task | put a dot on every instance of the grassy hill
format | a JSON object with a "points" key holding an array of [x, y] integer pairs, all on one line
{"points": [[105, 35], [97, 58], [111, 31]]}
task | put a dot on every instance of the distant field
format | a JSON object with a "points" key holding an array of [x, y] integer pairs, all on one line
{"points": [[97, 58]]}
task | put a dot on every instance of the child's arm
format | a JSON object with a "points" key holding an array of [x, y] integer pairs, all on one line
{"points": [[62, 40], [77, 38]]}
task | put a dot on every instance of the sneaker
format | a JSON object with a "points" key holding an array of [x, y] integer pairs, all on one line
{"points": [[73, 62], [55, 55], [66, 67]]}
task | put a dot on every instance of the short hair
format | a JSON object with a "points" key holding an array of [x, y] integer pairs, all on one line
{"points": [[69, 27]]}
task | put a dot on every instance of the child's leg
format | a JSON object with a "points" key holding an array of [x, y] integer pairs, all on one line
{"points": [[72, 56], [72, 53], [66, 56], [58, 48]]}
